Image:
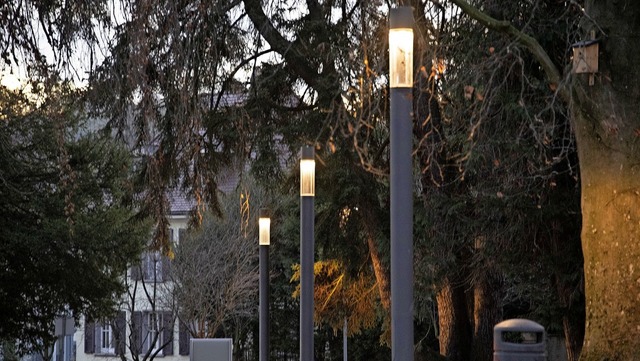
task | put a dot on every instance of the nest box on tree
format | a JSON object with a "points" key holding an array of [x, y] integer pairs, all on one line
{"points": [[585, 58]]}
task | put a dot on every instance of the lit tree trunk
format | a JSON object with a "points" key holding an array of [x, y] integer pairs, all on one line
{"points": [[381, 273], [607, 126], [382, 276], [453, 320]]}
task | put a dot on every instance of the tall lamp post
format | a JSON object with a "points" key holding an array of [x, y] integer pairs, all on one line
{"points": [[401, 84], [264, 225], [307, 192]]}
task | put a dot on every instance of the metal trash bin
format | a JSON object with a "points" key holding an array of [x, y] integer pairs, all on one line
{"points": [[211, 349], [519, 340]]}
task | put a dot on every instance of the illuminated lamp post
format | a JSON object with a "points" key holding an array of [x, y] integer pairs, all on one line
{"points": [[264, 225], [401, 84], [307, 193]]}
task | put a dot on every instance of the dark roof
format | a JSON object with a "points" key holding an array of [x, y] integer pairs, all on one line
{"points": [[180, 202], [584, 43]]}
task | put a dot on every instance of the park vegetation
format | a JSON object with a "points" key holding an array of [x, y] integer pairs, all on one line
{"points": [[526, 174]]}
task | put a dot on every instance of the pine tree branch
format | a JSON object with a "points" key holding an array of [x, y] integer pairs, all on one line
{"points": [[289, 50]]}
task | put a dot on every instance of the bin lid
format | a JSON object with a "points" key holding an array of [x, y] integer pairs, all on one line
{"points": [[519, 324], [519, 335]]}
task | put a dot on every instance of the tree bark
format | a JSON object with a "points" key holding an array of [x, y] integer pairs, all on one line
{"points": [[381, 273], [487, 308], [607, 126], [453, 320], [382, 276]]}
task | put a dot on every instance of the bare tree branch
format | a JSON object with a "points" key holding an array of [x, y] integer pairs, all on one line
{"points": [[553, 74]]}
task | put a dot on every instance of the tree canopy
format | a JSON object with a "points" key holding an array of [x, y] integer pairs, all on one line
{"points": [[69, 231], [500, 124]]}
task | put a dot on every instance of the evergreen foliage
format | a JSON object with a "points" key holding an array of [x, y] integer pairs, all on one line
{"points": [[69, 230]]}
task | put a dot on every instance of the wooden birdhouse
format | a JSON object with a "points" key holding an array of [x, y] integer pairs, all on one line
{"points": [[585, 56]]}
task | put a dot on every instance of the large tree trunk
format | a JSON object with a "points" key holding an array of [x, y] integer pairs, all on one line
{"points": [[453, 320], [487, 305], [607, 126], [487, 312]]}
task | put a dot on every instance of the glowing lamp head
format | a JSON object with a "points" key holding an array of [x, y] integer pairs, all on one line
{"points": [[307, 173], [401, 47], [264, 225]]}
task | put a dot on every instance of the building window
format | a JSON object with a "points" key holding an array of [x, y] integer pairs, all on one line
{"points": [[154, 267], [106, 340], [154, 337], [152, 332], [107, 337]]}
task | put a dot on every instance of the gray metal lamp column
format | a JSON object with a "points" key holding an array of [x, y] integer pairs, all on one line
{"points": [[264, 239], [401, 84], [307, 193]]}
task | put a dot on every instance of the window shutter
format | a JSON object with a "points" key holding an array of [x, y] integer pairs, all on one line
{"points": [[144, 332], [136, 337], [89, 341], [167, 333], [136, 272], [184, 337], [119, 333], [147, 266], [182, 232], [97, 329]]}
